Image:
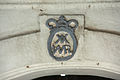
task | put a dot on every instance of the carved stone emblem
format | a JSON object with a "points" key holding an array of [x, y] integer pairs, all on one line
{"points": [[62, 42]]}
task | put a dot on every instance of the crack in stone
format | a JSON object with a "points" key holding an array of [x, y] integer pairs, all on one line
{"points": [[36, 31], [102, 30], [20, 34]]}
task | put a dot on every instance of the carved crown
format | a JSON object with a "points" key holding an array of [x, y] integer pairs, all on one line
{"points": [[62, 22]]}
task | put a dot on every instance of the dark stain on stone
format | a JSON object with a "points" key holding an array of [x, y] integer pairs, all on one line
{"points": [[27, 66], [41, 10], [98, 64], [62, 63], [32, 7], [89, 6]]}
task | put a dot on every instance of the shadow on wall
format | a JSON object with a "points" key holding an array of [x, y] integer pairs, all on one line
{"points": [[72, 77]]}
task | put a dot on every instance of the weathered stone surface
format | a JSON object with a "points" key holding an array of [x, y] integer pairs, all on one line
{"points": [[14, 22], [24, 35], [102, 47], [99, 48], [25, 18], [56, 1]]}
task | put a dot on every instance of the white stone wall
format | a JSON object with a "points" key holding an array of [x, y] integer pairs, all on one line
{"points": [[23, 38]]}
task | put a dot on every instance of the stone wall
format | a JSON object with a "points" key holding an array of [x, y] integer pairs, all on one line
{"points": [[24, 35]]}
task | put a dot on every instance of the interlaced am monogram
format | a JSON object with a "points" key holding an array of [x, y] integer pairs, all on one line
{"points": [[62, 42]]}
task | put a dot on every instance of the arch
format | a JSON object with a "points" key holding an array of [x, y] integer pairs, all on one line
{"points": [[69, 68]]}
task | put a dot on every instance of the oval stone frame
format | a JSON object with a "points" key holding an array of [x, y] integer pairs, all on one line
{"points": [[59, 28], [52, 33]]}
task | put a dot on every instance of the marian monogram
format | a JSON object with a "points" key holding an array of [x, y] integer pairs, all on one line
{"points": [[62, 43]]}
